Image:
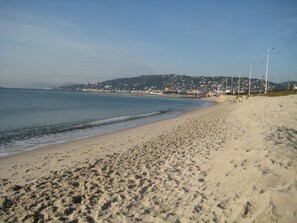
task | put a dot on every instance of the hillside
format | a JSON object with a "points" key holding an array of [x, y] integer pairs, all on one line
{"points": [[173, 83]]}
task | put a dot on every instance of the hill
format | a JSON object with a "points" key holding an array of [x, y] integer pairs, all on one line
{"points": [[173, 83]]}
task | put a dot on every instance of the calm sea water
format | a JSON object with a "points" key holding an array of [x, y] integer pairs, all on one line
{"points": [[32, 118]]}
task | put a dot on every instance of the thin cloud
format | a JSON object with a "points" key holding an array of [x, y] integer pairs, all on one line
{"points": [[41, 48]]}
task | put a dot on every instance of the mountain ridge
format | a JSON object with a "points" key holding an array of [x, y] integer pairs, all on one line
{"points": [[174, 83]]}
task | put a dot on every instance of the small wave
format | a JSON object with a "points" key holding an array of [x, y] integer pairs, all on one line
{"points": [[8, 137], [116, 119]]}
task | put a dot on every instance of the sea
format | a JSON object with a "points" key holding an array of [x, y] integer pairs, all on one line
{"points": [[31, 119]]}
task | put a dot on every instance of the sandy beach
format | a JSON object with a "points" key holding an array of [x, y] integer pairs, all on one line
{"points": [[232, 162]]}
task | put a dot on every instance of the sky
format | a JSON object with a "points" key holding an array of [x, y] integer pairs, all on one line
{"points": [[61, 41]]}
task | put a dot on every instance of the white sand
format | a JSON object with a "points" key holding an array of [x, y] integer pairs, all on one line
{"points": [[230, 162]]}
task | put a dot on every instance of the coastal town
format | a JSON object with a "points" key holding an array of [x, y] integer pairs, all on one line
{"points": [[200, 86]]}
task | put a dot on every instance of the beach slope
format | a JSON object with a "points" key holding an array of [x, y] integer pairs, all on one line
{"points": [[232, 162]]}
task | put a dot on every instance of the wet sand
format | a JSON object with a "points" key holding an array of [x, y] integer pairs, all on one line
{"points": [[233, 162]]}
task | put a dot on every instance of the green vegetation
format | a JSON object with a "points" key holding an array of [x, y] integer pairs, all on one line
{"points": [[281, 93]]}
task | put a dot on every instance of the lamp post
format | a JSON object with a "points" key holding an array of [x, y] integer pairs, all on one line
{"points": [[239, 82], [267, 62], [289, 82], [232, 90], [250, 77]]}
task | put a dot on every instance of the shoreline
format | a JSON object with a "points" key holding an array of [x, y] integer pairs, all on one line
{"points": [[228, 162], [133, 124], [57, 148]]}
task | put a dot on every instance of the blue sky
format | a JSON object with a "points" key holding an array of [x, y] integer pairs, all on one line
{"points": [[87, 41]]}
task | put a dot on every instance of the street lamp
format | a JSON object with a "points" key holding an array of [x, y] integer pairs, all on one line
{"points": [[225, 82], [232, 90], [239, 82], [250, 77], [267, 61]]}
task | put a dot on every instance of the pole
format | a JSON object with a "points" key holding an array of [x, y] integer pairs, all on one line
{"points": [[239, 82], [289, 82], [226, 80], [232, 85], [250, 77], [267, 62]]}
